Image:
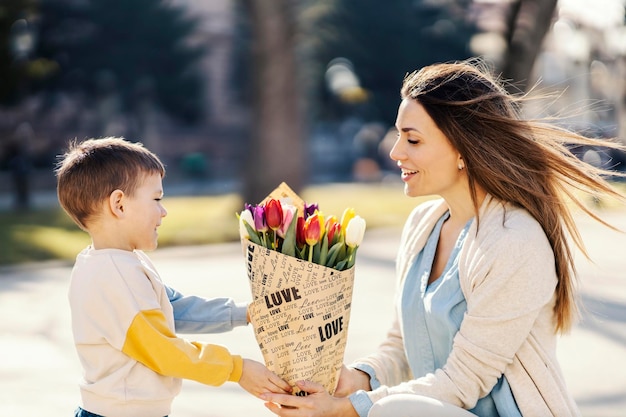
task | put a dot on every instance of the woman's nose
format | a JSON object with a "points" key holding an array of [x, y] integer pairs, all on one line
{"points": [[395, 153]]}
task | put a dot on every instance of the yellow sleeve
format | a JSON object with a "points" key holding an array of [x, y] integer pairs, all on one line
{"points": [[150, 342]]}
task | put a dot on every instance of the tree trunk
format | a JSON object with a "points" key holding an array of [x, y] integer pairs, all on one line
{"points": [[275, 153], [529, 23]]}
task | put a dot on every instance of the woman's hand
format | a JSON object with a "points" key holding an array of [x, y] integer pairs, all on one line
{"points": [[318, 403], [257, 379], [352, 380]]}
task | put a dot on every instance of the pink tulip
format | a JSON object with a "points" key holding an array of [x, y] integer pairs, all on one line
{"points": [[288, 212]]}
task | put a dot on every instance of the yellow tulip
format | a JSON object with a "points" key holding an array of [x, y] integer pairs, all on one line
{"points": [[348, 214]]}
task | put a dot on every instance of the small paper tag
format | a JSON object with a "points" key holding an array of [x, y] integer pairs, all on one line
{"points": [[284, 193]]}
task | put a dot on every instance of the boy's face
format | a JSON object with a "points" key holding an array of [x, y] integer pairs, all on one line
{"points": [[144, 213]]}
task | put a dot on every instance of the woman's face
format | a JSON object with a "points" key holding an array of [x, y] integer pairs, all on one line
{"points": [[428, 161]]}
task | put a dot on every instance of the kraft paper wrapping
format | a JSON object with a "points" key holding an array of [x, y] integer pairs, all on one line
{"points": [[300, 315], [300, 310]]}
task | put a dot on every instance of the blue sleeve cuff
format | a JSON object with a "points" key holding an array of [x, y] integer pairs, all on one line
{"points": [[193, 314], [361, 403], [240, 314], [374, 382]]}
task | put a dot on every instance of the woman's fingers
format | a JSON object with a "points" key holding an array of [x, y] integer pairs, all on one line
{"points": [[310, 386], [280, 383], [282, 411], [282, 399], [294, 400], [317, 402]]}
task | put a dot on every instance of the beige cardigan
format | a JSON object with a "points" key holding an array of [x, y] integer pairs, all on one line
{"points": [[507, 274]]}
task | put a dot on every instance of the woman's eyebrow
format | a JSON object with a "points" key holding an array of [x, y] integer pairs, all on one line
{"points": [[410, 129]]}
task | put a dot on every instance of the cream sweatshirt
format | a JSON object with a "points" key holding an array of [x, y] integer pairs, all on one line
{"points": [[124, 332]]}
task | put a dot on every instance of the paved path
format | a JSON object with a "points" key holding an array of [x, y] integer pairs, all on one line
{"points": [[39, 369]]}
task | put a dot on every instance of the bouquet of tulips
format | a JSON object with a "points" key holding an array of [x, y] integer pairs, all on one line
{"points": [[278, 225], [301, 272]]}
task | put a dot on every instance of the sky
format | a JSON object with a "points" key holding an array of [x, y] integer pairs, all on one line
{"points": [[597, 13]]}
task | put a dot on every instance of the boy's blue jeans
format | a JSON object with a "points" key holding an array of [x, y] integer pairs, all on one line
{"points": [[83, 413]]}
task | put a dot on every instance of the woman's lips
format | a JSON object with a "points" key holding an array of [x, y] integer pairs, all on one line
{"points": [[407, 174]]}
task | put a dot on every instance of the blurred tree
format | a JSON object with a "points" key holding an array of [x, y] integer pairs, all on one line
{"points": [[12, 78], [384, 41], [129, 41], [275, 149], [527, 23], [17, 68]]}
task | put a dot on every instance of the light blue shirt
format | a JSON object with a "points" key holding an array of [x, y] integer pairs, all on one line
{"points": [[431, 317], [193, 314]]}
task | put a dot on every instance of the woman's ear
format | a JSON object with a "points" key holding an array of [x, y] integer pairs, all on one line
{"points": [[116, 203]]}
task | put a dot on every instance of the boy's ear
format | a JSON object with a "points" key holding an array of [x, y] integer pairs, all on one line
{"points": [[116, 203]]}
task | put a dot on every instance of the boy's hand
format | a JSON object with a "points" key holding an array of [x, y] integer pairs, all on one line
{"points": [[257, 379]]}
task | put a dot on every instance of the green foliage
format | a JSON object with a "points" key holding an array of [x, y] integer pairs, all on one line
{"points": [[384, 41], [137, 46]]}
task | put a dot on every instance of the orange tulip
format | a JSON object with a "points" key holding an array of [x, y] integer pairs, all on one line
{"points": [[312, 229]]}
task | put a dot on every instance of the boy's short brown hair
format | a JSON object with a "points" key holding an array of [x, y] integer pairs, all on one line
{"points": [[91, 170]]}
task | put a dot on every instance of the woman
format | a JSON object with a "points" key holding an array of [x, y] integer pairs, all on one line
{"points": [[485, 273]]}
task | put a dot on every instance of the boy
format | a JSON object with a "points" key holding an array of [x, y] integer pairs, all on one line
{"points": [[123, 317]]}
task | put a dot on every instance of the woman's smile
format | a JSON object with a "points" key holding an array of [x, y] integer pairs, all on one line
{"points": [[407, 174]]}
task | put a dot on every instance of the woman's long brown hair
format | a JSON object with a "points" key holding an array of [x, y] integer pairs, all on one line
{"points": [[528, 163]]}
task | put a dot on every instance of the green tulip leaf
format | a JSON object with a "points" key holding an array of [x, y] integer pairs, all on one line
{"points": [[316, 253], [324, 250], [333, 253], [253, 235], [341, 265], [352, 257]]}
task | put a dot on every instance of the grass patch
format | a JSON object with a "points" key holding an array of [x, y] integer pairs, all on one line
{"points": [[200, 220], [38, 235], [49, 234], [381, 205]]}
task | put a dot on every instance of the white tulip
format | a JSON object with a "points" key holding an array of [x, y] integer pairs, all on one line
{"points": [[355, 231]]}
